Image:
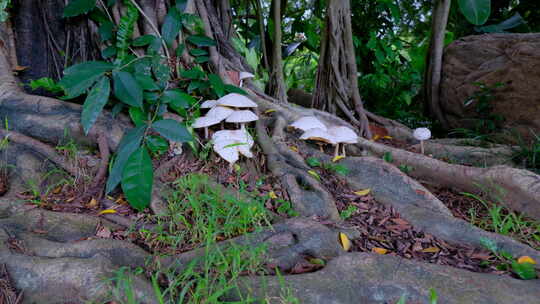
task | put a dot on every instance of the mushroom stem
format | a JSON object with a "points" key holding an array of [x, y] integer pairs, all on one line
{"points": [[320, 147], [336, 151], [422, 146], [344, 153], [241, 82], [206, 133]]}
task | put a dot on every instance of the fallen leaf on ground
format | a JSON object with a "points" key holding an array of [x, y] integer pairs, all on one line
{"points": [[269, 111], [294, 148], [344, 241], [526, 259], [314, 174], [272, 195], [362, 192], [92, 204], [431, 250], [337, 158], [379, 250], [107, 211]]}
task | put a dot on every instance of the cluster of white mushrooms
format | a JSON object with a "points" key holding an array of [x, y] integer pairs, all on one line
{"points": [[231, 108], [315, 130]]}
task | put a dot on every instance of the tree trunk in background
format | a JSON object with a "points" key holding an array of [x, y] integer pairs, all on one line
{"points": [[276, 83], [336, 88], [432, 76]]}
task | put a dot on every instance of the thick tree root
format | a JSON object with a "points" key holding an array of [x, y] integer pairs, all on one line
{"points": [[417, 205], [515, 188], [371, 278]]}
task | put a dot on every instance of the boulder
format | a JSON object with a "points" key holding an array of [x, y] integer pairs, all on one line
{"points": [[510, 59]]}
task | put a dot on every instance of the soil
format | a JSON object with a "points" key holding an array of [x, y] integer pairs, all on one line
{"points": [[8, 293]]}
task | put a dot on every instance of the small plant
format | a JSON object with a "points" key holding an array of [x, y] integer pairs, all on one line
{"points": [[286, 207], [328, 166], [405, 168], [347, 213], [387, 157], [528, 154], [524, 267]]}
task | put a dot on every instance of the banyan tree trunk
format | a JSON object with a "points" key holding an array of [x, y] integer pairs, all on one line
{"points": [[336, 83]]}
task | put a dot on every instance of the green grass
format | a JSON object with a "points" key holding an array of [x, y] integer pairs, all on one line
{"points": [[503, 221], [528, 154], [200, 215]]}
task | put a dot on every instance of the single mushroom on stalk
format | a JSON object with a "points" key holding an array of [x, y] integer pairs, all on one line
{"points": [[319, 135], [343, 135], [205, 122], [242, 117], [308, 122], [235, 100], [229, 144], [244, 75], [422, 134]]}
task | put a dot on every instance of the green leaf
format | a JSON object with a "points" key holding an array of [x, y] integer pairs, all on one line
{"points": [[94, 103], [200, 40], [137, 116], [172, 130], [234, 89], [178, 100], [313, 162], [129, 143], [143, 40], [475, 11], [202, 59], [433, 298], [146, 82], [198, 52], [127, 89], [137, 179], [525, 271], [157, 144], [194, 73], [79, 7], [46, 83], [108, 52], [171, 26], [196, 84], [106, 30], [217, 84], [181, 5], [78, 78]]}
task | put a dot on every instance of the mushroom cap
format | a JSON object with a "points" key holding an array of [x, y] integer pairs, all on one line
{"points": [[244, 75], [236, 100], [205, 121], [308, 122], [422, 133], [343, 135], [220, 112], [208, 104], [319, 135], [242, 116], [229, 144], [226, 151]]}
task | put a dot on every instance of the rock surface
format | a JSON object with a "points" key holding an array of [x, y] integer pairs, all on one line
{"points": [[358, 278], [511, 59]]}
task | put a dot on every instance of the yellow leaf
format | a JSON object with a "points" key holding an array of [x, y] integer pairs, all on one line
{"points": [[362, 192], [387, 137], [376, 137], [335, 159], [19, 68], [57, 190], [269, 111], [272, 195], [237, 168], [379, 250], [93, 203], [317, 261], [344, 241], [107, 211], [526, 259], [294, 148], [431, 250], [314, 174]]}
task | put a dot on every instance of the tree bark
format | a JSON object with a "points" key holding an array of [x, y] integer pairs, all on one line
{"points": [[336, 83], [276, 84], [432, 76]]}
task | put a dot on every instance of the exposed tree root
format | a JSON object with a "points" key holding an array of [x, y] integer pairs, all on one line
{"points": [[515, 188]]}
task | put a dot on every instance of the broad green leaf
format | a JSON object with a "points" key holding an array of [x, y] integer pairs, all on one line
{"points": [[171, 26], [313, 162], [109, 52], [172, 130], [79, 7], [78, 78], [181, 5], [217, 84], [202, 59], [157, 144], [143, 40], [127, 89], [106, 30], [94, 103], [196, 84], [194, 73], [137, 179], [178, 100], [137, 116], [234, 89], [475, 11], [198, 52], [200, 40], [525, 271], [129, 143], [46, 83], [146, 82]]}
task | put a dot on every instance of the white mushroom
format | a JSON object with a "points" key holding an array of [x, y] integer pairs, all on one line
{"points": [[320, 135], [343, 135], [220, 112], [208, 104], [242, 117], [205, 122], [422, 134], [229, 144], [236, 101], [308, 122], [245, 75]]}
